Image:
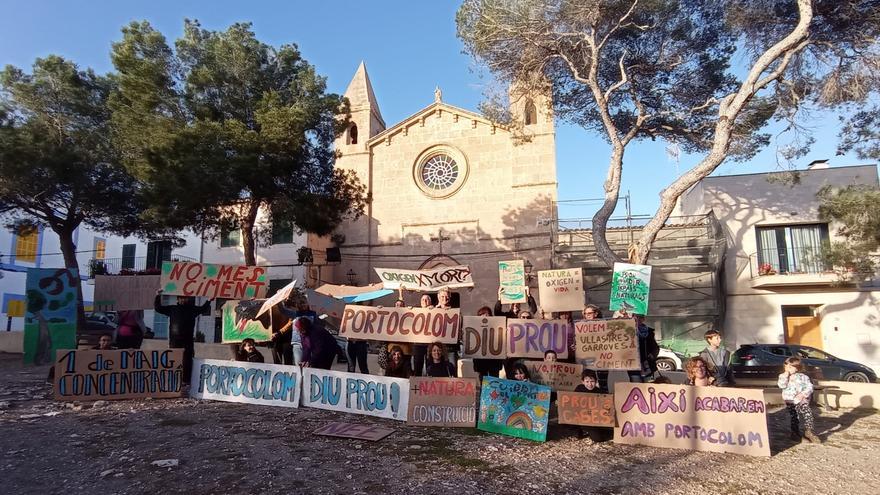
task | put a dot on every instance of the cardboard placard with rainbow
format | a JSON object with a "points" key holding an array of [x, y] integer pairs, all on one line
{"points": [[518, 409]]}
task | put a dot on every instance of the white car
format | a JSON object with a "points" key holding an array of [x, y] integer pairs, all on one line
{"points": [[668, 360]]}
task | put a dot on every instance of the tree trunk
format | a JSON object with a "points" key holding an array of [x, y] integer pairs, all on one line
{"points": [[68, 250], [600, 219], [247, 221]]}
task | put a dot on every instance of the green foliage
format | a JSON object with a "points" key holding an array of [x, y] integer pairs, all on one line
{"points": [[36, 301], [857, 210], [57, 165], [223, 124]]}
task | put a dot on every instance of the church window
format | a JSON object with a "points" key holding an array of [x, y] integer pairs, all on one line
{"points": [[353, 134], [440, 172], [531, 113]]}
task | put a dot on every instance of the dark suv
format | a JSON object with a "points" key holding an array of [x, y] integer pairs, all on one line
{"points": [[826, 366]]}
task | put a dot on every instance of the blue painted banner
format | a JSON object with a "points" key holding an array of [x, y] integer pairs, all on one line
{"points": [[356, 393], [252, 383], [50, 321]]}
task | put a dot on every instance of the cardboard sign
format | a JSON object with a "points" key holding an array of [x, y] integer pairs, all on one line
{"points": [[50, 320], [714, 419], [585, 409], [124, 292], [518, 409], [276, 298], [213, 281], [418, 325], [483, 337], [512, 281], [561, 290], [118, 374], [630, 286], [326, 305], [607, 344], [350, 430], [450, 277], [252, 383], [442, 402], [380, 396], [532, 338], [556, 375], [238, 325]]}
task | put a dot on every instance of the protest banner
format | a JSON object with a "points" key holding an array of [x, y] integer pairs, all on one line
{"points": [[350, 430], [125, 292], [450, 277], [512, 281], [556, 375], [213, 281], [442, 402], [630, 286], [118, 374], [50, 320], [518, 409], [417, 325], [483, 337], [372, 395], [714, 419], [561, 290], [251, 383], [532, 338], [607, 344], [276, 298], [585, 409], [239, 324]]}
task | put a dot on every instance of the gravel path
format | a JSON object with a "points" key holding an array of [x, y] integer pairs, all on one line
{"points": [[109, 447]]}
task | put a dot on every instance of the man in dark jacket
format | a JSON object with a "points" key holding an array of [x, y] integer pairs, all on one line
{"points": [[648, 350], [181, 327], [319, 347]]}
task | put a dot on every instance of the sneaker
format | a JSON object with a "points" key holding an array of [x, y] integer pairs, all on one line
{"points": [[809, 435]]}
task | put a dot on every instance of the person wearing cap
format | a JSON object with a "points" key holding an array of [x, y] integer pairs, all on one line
{"points": [[318, 345]]}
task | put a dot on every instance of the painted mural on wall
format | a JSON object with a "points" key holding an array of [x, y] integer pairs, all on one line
{"points": [[50, 321]]}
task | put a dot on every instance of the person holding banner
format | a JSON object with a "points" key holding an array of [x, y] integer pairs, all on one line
{"points": [[521, 372], [249, 352], [130, 332], [438, 362], [515, 309], [648, 350], [420, 351], [398, 366], [181, 327], [485, 367], [319, 347], [698, 373]]}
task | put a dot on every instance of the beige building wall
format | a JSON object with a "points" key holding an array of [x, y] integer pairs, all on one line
{"points": [[849, 315], [500, 207]]}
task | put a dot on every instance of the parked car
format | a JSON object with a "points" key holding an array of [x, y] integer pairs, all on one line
{"points": [[827, 366], [668, 360]]}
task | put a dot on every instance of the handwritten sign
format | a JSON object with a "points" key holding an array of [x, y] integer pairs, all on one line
{"points": [[714, 419], [213, 281], [532, 338], [120, 293], [450, 277], [483, 337], [380, 396], [556, 375], [118, 374], [443, 402], [585, 409], [630, 286], [252, 383], [276, 298], [561, 290], [419, 325], [238, 322], [349, 430], [50, 320], [512, 281], [607, 344], [518, 409]]}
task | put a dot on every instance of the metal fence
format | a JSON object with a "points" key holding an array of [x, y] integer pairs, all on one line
{"points": [[130, 265]]}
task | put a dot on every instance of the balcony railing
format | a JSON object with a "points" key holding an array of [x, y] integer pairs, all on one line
{"points": [[130, 265], [794, 261]]}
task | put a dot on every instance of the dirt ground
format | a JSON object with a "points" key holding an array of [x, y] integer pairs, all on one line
{"points": [[109, 447]]}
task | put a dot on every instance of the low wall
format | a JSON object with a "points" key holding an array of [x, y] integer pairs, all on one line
{"points": [[12, 342]]}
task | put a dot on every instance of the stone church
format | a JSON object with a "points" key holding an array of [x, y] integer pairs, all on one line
{"points": [[449, 187]]}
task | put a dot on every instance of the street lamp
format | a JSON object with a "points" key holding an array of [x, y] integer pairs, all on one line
{"points": [[527, 266], [351, 276]]}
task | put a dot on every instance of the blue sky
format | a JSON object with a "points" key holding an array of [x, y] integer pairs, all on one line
{"points": [[409, 48]]}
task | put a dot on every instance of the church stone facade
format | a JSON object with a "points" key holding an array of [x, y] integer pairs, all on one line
{"points": [[448, 187]]}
